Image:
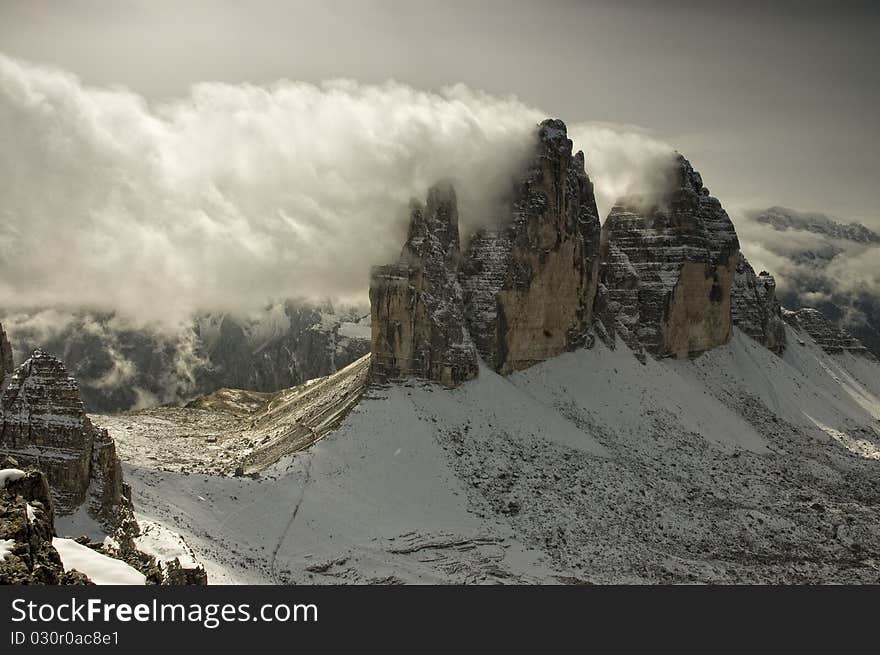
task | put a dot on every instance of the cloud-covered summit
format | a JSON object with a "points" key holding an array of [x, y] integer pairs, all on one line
{"points": [[236, 194]]}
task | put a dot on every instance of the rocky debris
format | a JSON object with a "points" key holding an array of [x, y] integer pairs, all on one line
{"points": [[417, 323], [669, 265], [754, 307], [6, 363], [831, 338], [43, 424], [529, 280], [26, 529], [176, 575], [232, 433]]}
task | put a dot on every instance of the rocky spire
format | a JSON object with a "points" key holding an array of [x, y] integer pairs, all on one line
{"points": [[416, 304], [669, 264], [754, 307], [530, 280], [6, 365], [43, 424]]}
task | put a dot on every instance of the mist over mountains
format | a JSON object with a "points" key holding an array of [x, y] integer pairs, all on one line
{"points": [[820, 262], [237, 194]]}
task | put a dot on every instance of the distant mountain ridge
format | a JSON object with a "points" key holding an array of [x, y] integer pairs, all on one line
{"points": [[824, 264], [120, 367], [783, 218]]}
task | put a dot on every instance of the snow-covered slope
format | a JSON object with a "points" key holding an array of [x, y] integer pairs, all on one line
{"points": [[736, 466]]}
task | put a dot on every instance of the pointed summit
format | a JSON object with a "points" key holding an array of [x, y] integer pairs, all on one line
{"points": [[416, 304], [669, 266]]}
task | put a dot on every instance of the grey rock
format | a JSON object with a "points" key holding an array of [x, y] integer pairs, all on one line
{"points": [[755, 309], [26, 519], [416, 304], [529, 281], [43, 424], [831, 338]]}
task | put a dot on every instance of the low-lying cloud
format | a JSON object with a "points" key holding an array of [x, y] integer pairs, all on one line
{"points": [[237, 194]]}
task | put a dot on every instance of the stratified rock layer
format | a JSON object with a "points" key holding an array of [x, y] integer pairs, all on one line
{"points": [[530, 281], [416, 304], [831, 338], [668, 266], [754, 307], [43, 424]]}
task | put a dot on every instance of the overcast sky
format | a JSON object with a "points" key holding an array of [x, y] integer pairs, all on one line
{"points": [[193, 154], [775, 102]]}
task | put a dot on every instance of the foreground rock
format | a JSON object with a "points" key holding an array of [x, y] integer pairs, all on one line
{"points": [[831, 338], [754, 307], [42, 423], [530, 280], [417, 321], [27, 527], [669, 265]]}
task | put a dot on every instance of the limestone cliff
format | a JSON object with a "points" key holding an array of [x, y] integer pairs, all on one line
{"points": [[529, 281], [416, 304], [754, 307], [43, 424], [668, 266]]}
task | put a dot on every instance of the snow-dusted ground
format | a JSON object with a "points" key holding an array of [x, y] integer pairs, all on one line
{"points": [[100, 568], [737, 466]]}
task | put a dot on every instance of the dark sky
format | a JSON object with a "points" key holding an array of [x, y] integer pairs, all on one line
{"points": [[774, 102]]}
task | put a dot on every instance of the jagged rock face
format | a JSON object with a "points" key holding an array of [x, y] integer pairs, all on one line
{"points": [[27, 524], [529, 282], [6, 365], [831, 338], [754, 307], [43, 423], [417, 324], [669, 265]]}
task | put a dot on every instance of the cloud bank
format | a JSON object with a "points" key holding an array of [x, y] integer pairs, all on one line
{"points": [[237, 194]]}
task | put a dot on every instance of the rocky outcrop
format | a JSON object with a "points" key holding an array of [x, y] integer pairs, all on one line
{"points": [[43, 424], [529, 281], [27, 556], [416, 304], [6, 365], [669, 265], [831, 338], [754, 307]]}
